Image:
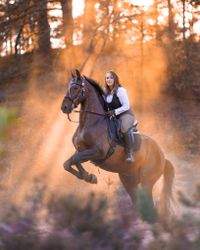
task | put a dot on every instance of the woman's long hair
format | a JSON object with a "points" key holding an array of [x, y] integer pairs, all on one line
{"points": [[116, 83]]}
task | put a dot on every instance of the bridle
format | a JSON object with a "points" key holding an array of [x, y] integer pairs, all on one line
{"points": [[81, 93], [75, 101]]}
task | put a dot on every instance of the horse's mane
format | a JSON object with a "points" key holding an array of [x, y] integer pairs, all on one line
{"points": [[96, 85], [98, 89]]}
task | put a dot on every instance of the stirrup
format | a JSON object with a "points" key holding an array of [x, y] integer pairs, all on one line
{"points": [[130, 158]]}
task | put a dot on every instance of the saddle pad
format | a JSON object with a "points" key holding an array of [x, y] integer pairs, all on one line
{"points": [[137, 142]]}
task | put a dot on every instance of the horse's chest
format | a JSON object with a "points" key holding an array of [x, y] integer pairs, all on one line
{"points": [[81, 140]]}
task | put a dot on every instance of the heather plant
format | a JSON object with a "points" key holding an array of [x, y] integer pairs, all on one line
{"points": [[80, 214], [73, 222], [7, 120]]}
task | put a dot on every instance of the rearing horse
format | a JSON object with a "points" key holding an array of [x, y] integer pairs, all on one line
{"points": [[92, 143]]}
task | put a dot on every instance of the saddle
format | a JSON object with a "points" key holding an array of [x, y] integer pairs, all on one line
{"points": [[116, 138], [116, 135]]}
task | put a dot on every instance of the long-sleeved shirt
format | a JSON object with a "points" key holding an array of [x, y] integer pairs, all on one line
{"points": [[123, 98]]}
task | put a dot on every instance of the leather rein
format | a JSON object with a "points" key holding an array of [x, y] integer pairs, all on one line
{"points": [[86, 111]]}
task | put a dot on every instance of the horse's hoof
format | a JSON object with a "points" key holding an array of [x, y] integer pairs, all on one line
{"points": [[91, 178]]}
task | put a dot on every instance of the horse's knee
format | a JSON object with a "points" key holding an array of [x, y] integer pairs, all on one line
{"points": [[66, 166]]}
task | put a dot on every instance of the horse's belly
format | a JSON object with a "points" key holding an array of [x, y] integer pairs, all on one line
{"points": [[116, 163]]}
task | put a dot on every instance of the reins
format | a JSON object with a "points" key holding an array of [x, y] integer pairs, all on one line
{"points": [[86, 111], [90, 112]]}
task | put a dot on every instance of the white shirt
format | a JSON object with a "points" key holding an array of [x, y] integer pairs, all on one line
{"points": [[123, 98]]}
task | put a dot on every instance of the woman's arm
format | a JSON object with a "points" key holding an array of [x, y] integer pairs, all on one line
{"points": [[123, 98]]}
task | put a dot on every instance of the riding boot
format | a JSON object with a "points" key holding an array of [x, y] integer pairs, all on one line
{"points": [[128, 139]]}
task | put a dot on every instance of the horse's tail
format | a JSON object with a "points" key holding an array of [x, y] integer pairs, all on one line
{"points": [[166, 199]]}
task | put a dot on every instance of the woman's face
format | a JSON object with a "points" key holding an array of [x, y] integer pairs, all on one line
{"points": [[109, 80]]}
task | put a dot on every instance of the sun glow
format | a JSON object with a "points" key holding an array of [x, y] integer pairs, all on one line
{"points": [[78, 7], [145, 3]]}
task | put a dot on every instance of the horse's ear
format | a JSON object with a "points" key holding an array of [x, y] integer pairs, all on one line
{"points": [[78, 73], [72, 74]]}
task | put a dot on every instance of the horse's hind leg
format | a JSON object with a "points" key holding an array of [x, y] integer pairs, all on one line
{"points": [[167, 198], [147, 186], [130, 183]]}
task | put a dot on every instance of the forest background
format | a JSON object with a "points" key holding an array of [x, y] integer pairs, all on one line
{"points": [[154, 46]]}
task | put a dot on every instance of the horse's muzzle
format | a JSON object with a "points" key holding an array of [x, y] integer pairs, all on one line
{"points": [[67, 109]]}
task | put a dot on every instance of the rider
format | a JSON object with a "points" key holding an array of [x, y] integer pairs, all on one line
{"points": [[118, 105]]}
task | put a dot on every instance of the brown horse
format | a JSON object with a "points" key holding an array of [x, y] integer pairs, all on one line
{"points": [[92, 143]]}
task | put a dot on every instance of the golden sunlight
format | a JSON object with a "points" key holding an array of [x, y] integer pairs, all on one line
{"points": [[145, 3], [78, 7]]}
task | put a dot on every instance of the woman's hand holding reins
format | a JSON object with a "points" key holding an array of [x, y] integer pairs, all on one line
{"points": [[110, 113]]}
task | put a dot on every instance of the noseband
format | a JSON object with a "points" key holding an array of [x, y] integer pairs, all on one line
{"points": [[80, 95]]}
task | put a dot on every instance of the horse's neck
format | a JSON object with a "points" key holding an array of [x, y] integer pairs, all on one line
{"points": [[91, 104]]}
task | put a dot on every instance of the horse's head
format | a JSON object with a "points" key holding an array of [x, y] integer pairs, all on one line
{"points": [[75, 93]]}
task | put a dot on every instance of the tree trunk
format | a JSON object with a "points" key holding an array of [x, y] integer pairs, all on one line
{"points": [[17, 40], [67, 21], [142, 30], [170, 21], [89, 25], [156, 14], [184, 28], [44, 44]]}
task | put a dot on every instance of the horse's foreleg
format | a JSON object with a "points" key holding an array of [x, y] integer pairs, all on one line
{"points": [[67, 166], [91, 178], [76, 160]]}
